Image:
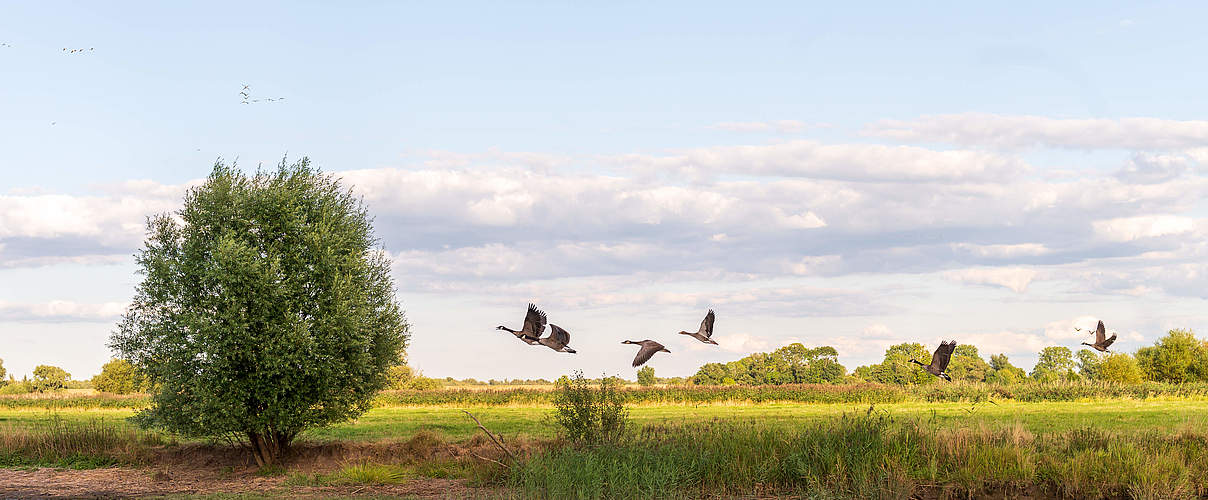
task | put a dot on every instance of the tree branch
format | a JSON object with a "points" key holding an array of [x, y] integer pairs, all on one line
{"points": [[492, 436]]}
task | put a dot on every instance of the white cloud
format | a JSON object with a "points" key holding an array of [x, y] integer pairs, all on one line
{"points": [[851, 162], [61, 311], [1013, 278], [1003, 251], [1026, 131], [1147, 226]]}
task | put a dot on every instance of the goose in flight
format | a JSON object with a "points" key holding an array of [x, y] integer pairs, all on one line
{"points": [[534, 325], [1102, 341], [649, 347], [557, 339], [939, 360], [705, 333]]}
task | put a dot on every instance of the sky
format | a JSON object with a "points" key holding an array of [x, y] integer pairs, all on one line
{"points": [[854, 175]]}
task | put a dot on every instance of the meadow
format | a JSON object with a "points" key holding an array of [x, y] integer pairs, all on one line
{"points": [[1096, 440]]}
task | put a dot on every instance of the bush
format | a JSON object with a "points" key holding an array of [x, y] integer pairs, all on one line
{"points": [[399, 377], [424, 384], [49, 378], [1120, 368], [16, 387], [590, 415]]}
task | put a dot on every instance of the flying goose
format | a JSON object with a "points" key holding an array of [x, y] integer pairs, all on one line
{"points": [[649, 347], [705, 333], [557, 339], [939, 360], [534, 325], [1101, 338]]}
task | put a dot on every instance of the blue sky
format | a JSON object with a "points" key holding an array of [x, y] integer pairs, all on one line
{"points": [[854, 175]]}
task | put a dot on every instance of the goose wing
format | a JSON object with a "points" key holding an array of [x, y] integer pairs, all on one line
{"points": [[935, 356], [706, 325], [1100, 333], [534, 322], [558, 336], [1108, 341], [648, 349], [944, 353]]}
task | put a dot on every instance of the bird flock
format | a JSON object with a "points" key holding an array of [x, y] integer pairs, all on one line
{"points": [[245, 96], [535, 322]]}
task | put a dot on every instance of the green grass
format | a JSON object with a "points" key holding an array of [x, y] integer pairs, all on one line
{"points": [[378, 424], [870, 455]]}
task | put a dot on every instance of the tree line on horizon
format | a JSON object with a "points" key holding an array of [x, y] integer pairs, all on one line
{"points": [[1177, 357]]}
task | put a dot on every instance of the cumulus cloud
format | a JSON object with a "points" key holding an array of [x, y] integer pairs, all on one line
{"points": [[61, 311], [1025, 131], [849, 162], [1147, 226]]}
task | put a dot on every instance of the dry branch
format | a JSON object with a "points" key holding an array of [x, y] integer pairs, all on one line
{"points": [[492, 436]]}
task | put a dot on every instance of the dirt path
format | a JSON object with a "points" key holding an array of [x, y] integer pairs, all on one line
{"points": [[126, 483]]}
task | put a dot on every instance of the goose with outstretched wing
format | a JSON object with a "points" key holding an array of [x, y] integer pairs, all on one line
{"points": [[705, 333], [939, 360], [534, 326], [1102, 341], [649, 347]]}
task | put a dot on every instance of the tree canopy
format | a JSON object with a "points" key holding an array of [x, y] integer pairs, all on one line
{"points": [[266, 308], [118, 376], [49, 378], [1177, 357], [897, 368], [791, 364]]}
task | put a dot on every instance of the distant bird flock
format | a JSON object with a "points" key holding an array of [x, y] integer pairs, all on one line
{"points": [[535, 321]]}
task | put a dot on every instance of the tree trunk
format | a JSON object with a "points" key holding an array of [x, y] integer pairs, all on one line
{"points": [[268, 447]]}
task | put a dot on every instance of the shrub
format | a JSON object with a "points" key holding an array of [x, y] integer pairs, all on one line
{"points": [[266, 308], [49, 378], [424, 384], [3, 372], [590, 415], [1120, 368], [399, 377]]}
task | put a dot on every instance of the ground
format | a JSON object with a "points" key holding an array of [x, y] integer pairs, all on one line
{"points": [[409, 436]]}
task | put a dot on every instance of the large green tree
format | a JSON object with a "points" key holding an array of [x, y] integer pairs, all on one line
{"points": [[791, 364], [967, 364], [1089, 363], [1177, 357], [896, 367], [1054, 363], [266, 308], [646, 376], [3, 372], [1003, 372]]}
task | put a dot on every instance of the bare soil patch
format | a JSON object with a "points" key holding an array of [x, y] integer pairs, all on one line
{"points": [[203, 469]]}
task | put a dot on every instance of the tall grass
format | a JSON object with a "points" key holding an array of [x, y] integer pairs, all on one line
{"points": [[74, 444], [869, 456]]}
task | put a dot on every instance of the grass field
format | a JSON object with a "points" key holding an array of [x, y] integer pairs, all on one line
{"points": [[1123, 416], [976, 447]]}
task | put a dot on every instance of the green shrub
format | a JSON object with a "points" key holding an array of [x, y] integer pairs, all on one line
{"points": [[646, 376], [424, 384], [590, 415]]}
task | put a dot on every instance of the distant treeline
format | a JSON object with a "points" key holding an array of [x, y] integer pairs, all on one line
{"points": [[1175, 358]]}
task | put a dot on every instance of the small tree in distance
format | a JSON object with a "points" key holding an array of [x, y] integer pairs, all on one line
{"points": [[646, 376], [49, 378], [118, 376], [266, 308]]}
